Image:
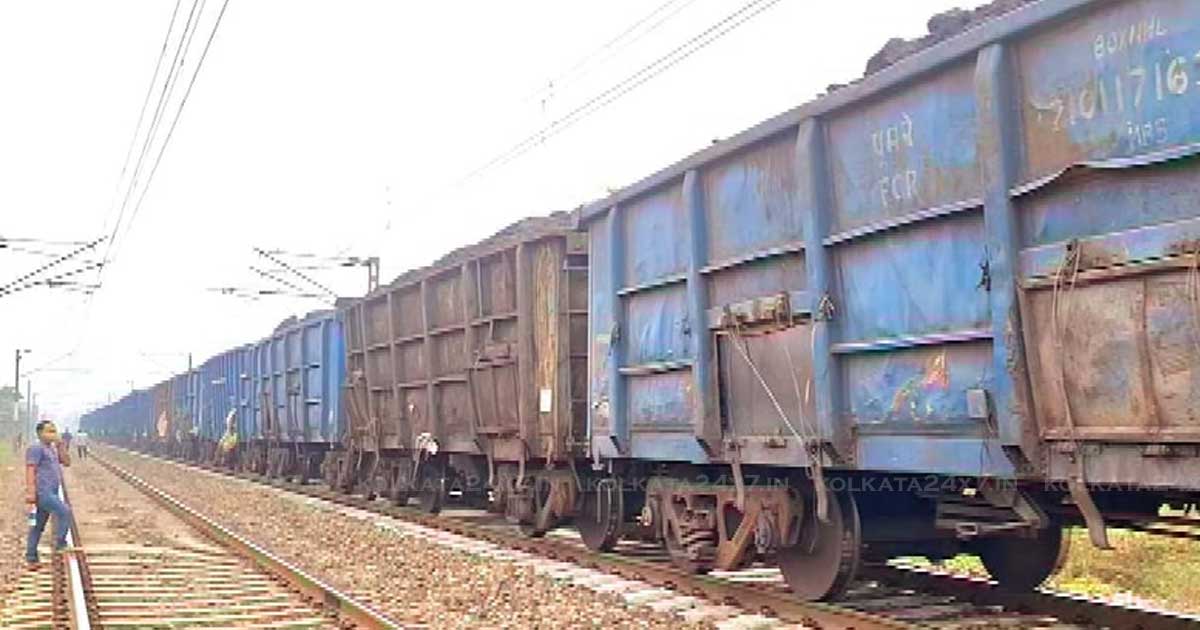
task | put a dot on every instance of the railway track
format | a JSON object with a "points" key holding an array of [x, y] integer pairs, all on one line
{"points": [[159, 564], [40, 599], [885, 597]]}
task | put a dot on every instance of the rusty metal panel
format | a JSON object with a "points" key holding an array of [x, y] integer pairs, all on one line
{"points": [[376, 317], [498, 290], [1109, 302], [549, 346], [784, 359], [1123, 353], [444, 346], [406, 311], [446, 307], [906, 151], [1117, 82], [450, 353], [661, 401]]}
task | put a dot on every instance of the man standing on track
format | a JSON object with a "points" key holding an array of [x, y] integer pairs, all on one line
{"points": [[43, 477], [81, 444]]}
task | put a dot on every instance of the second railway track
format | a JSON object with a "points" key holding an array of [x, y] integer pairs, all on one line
{"points": [[886, 597], [149, 562]]}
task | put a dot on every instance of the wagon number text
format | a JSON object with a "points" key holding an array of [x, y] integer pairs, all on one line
{"points": [[1127, 90]]}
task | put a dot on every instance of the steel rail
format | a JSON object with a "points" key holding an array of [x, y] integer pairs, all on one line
{"points": [[787, 608], [80, 612], [344, 606], [1066, 607]]}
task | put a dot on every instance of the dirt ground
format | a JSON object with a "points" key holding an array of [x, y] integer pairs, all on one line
{"points": [[411, 580], [12, 518]]}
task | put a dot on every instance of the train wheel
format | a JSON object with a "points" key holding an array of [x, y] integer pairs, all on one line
{"points": [[827, 556], [1022, 564], [601, 515]]}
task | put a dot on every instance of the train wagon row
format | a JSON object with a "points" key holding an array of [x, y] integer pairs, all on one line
{"points": [[954, 306], [269, 406]]}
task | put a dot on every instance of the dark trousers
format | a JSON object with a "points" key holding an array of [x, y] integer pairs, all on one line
{"points": [[46, 505]]}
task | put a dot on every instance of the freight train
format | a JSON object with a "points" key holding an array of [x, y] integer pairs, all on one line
{"points": [[953, 306]]}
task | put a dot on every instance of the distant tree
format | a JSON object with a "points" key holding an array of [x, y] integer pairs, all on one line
{"points": [[6, 404]]}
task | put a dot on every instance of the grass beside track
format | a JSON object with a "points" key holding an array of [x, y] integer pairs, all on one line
{"points": [[1140, 569]]}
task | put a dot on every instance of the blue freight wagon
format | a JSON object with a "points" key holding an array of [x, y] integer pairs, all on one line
{"points": [[222, 387], [129, 420], [290, 401], [887, 316]]}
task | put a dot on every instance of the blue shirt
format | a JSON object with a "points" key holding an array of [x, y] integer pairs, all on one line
{"points": [[49, 471]]}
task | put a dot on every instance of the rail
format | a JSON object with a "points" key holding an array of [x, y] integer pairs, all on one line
{"points": [[344, 606], [1069, 609], [80, 612]]}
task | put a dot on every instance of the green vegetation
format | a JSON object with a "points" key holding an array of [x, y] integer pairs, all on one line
{"points": [[1157, 570], [1141, 568]]}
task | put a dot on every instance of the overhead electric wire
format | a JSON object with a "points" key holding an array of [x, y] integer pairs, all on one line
{"points": [[178, 114], [48, 281], [110, 254], [27, 250], [558, 82], [51, 264], [39, 241], [339, 261], [162, 54], [281, 281], [240, 292], [148, 138], [698, 42], [164, 97], [303, 276]]}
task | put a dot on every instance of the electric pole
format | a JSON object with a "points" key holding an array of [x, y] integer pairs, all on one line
{"points": [[17, 390], [29, 411]]}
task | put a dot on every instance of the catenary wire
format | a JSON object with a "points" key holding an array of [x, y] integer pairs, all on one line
{"points": [[175, 121], [693, 45], [90, 299], [152, 130], [582, 68], [162, 54]]}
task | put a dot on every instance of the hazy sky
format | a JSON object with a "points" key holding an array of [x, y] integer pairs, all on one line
{"points": [[350, 126]]}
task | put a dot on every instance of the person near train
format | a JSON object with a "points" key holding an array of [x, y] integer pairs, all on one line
{"points": [[81, 444], [43, 478]]}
